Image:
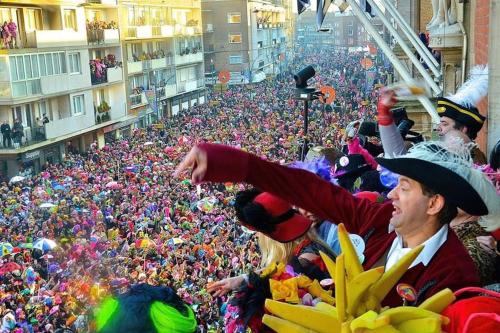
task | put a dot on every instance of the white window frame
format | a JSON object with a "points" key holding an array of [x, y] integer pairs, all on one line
{"points": [[231, 15], [70, 24], [74, 63], [235, 59], [75, 110], [234, 34]]}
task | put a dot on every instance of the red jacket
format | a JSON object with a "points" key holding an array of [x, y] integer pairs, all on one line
{"points": [[451, 267]]}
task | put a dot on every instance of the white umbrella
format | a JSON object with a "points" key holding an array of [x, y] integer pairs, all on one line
{"points": [[148, 143], [47, 205], [175, 241], [44, 244], [16, 179]]}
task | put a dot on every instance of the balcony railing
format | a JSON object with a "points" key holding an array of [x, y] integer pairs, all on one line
{"points": [[103, 2], [188, 58], [103, 36], [55, 38], [181, 87], [137, 98]]}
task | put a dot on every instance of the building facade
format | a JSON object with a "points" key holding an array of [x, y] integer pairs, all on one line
{"points": [[74, 72], [341, 30], [59, 86], [473, 40], [163, 56], [246, 38]]}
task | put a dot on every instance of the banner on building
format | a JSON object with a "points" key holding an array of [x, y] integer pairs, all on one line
{"points": [[151, 97]]}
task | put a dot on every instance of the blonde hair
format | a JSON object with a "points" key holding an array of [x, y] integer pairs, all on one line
{"points": [[273, 251]]}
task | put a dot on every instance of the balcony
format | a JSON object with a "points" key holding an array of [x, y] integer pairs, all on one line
{"points": [[162, 62], [138, 99], [102, 112], [103, 36], [103, 2], [141, 31], [167, 31], [188, 58], [134, 67], [115, 74], [55, 38], [69, 125], [170, 90]]}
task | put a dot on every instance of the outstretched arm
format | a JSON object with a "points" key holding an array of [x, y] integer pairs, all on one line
{"points": [[218, 163]]}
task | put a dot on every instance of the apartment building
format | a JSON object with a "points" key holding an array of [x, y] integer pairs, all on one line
{"points": [[341, 30], [60, 85], [246, 38], [73, 72], [163, 56]]}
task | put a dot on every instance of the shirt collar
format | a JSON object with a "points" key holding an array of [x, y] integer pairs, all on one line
{"points": [[431, 246]]}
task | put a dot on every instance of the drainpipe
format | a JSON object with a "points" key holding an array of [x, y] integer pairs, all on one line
{"points": [[464, 47]]}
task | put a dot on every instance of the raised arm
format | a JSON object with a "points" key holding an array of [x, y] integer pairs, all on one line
{"points": [[218, 163]]}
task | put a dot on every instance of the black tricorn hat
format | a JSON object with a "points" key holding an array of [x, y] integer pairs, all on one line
{"points": [[443, 171], [470, 116]]}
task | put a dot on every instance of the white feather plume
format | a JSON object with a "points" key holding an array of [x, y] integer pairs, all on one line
{"points": [[474, 89]]}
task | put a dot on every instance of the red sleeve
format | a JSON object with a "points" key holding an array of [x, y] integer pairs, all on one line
{"points": [[299, 187]]}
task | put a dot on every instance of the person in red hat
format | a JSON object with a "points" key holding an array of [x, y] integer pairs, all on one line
{"points": [[284, 235]]}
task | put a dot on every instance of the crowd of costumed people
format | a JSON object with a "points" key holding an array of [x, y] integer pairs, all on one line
{"points": [[110, 241]]}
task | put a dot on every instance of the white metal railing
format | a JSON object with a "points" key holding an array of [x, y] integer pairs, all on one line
{"points": [[396, 62]]}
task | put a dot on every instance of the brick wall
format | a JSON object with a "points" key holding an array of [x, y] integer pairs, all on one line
{"points": [[481, 37], [425, 13]]}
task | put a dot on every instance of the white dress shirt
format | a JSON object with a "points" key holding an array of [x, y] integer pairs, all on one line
{"points": [[397, 251]]}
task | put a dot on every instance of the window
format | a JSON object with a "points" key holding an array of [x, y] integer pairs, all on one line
{"points": [[74, 63], [50, 64], [235, 59], [5, 14], [234, 38], [233, 17], [70, 19], [43, 66], [33, 19], [17, 113], [78, 105], [260, 44]]}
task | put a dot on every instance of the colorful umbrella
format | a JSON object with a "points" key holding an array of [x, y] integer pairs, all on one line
{"points": [[44, 244], [10, 267], [5, 249], [113, 185], [47, 205], [16, 179], [144, 243], [175, 241]]}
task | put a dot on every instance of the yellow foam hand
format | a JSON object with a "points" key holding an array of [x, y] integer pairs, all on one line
{"points": [[306, 316], [284, 326], [357, 287], [439, 301], [316, 290], [388, 280], [340, 293], [352, 264]]}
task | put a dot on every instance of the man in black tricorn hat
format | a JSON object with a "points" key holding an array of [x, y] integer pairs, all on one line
{"points": [[457, 112], [433, 183]]}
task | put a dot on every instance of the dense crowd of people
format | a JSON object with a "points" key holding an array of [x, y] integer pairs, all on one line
{"points": [[118, 217]]}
